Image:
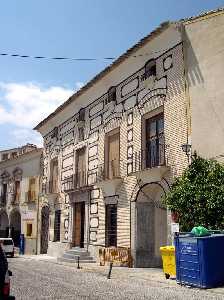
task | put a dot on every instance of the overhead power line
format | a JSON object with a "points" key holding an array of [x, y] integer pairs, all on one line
{"points": [[56, 58], [59, 58]]}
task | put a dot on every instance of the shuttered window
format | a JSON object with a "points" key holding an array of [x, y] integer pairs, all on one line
{"points": [[113, 163]]}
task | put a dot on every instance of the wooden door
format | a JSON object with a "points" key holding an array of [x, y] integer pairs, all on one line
{"points": [[113, 155], [78, 224]]}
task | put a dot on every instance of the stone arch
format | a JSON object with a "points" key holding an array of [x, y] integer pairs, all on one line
{"points": [[4, 224], [45, 213], [15, 226], [150, 224]]}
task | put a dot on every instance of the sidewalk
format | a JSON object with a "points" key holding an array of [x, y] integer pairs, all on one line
{"points": [[121, 273]]}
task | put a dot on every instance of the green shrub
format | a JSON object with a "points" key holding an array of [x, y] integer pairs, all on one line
{"points": [[198, 195]]}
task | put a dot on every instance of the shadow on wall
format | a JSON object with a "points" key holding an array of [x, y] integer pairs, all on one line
{"points": [[194, 74]]}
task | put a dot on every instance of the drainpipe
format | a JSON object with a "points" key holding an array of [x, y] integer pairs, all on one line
{"points": [[187, 94], [88, 220], [37, 223]]}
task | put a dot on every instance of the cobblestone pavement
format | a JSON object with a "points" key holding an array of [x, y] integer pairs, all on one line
{"points": [[45, 279]]}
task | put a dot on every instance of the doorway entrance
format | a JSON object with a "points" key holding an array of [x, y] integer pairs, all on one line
{"points": [[15, 226], [78, 224], [151, 226]]}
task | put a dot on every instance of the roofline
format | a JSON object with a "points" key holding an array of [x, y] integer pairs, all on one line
{"points": [[203, 16], [20, 147], [163, 26], [34, 151]]}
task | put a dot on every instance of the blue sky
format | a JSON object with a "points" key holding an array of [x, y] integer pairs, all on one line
{"points": [[31, 89]]}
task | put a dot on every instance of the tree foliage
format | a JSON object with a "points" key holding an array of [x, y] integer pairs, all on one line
{"points": [[198, 195]]}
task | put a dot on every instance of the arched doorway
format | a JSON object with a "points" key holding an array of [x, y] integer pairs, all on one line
{"points": [[44, 229], [4, 224], [15, 226], [151, 225]]}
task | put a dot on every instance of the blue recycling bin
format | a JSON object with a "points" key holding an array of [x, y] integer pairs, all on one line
{"points": [[22, 244], [200, 260]]}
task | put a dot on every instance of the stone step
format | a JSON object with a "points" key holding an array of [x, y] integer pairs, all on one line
{"points": [[79, 253], [74, 261], [75, 256]]}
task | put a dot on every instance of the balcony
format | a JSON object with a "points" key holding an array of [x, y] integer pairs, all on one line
{"points": [[30, 196], [109, 171], [151, 160], [50, 187], [77, 181], [15, 198], [109, 177]]}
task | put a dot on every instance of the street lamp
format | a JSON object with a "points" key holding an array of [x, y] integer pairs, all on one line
{"points": [[186, 148]]}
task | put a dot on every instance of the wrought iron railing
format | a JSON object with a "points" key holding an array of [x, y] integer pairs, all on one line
{"points": [[50, 187], [30, 196], [15, 198], [76, 181], [109, 170], [152, 156], [53, 186]]}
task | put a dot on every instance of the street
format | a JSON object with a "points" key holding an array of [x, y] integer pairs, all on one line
{"points": [[44, 279]]}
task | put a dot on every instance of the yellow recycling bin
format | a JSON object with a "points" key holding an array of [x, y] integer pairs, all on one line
{"points": [[169, 263]]}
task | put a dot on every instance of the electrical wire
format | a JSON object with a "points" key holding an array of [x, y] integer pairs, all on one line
{"points": [[56, 58], [42, 57]]}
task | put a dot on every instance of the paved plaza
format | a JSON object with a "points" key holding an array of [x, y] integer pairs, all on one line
{"points": [[42, 278]]}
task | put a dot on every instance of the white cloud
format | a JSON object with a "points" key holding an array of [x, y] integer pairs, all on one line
{"points": [[22, 136], [24, 105]]}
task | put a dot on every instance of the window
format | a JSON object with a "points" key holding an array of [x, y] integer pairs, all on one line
{"points": [[81, 115], [17, 191], [81, 134], [111, 95], [57, 225], [53, 185], [32, 188], [4, 192], [80, 177], [14, 154], [5, 156], [55, 133], [150, 69], [112, 155], [29, 229], [155, 148], [111, 226]]}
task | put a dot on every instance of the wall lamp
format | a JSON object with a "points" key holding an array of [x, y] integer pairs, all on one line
{"points": [[186, 148]]}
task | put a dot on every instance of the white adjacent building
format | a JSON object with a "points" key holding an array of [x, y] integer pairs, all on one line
{"points": [[19, 194]]}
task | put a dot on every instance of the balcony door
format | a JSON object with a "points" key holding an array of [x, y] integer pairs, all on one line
{"points": [[54, 176], [113, 163], [155, 148], [81, 167]]}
